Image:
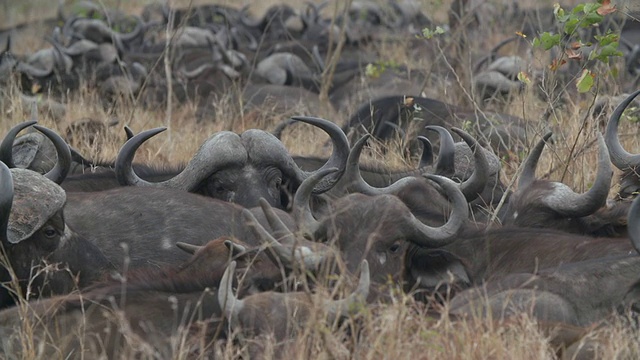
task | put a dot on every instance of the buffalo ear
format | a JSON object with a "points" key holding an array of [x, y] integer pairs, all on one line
{"points": [[433, 269]]}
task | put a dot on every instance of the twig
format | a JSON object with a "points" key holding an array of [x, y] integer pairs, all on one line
{"points": [[333, 56], [167, 70]]}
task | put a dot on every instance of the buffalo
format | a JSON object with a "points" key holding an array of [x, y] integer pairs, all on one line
{"points": [[543, 203], [34, 231], [154, 304], [578, 293], [380, 229], [279, 316]]}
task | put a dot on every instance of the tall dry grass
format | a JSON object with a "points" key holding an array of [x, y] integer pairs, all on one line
{"points": [[401, 328]]}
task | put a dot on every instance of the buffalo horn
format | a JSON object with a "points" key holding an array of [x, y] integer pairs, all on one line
{"points": [[566, 202], [528, 175], [63, 165], [338, 158], [301, 202], [6, 199], [230, 305], [431, 237], [446, 156], [234, 248], [223, 148], [293, 254], [353, 181], [426, 159], [33, 71], [6, 147], [246, 21], [478, 180], [619, 156], [188, 248], [345, 307], [280, 230]]}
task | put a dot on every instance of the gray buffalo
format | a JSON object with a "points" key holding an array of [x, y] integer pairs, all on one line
{"points": [[34, 233], [578, 293], [153, 304]]}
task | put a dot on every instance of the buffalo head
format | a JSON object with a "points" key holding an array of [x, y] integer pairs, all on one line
{"points": [[33, 230], [380, 229], [543, 203], [239, 168]]}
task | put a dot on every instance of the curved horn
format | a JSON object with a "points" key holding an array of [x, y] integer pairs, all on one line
{"points": [[63, 165], [6, 200], [246, 21], [219, 150], [136, 33], [619, 156], [192, 74], [33, 71], [277, 132], [295, 252], [285, 236], [634, 223], [188, 248], [492, 54], [78, 158], [240, 34], [353, 181], [62, 61], [431, 237], [528, 175], [347, 306], [566, 202], [474, 185], [229, 303], [234, 248], [128, 132], [446, 155], [6, 147], [318, 58], [426, 159], [339, 155], [301, 202], [124, 170]]}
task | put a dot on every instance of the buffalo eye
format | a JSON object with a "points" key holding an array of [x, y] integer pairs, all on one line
{"points": [[50, 232], [395, 248]]}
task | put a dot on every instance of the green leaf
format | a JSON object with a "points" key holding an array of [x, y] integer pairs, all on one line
{"points": [[586, 81], [592, 19], [428, 33], [590, 8], [607, 39], [605, 52], [571, 25], [547, 40]]}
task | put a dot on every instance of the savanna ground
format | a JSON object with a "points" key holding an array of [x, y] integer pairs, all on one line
{"points": [[401, 329]]}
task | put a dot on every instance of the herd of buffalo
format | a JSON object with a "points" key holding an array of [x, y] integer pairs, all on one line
{"points": [[238, 239]]}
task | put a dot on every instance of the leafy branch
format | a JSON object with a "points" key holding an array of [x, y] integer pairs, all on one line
{"points": [[583, 16]]}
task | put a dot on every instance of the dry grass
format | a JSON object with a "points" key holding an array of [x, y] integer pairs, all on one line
{"points": [[402, 328]]}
